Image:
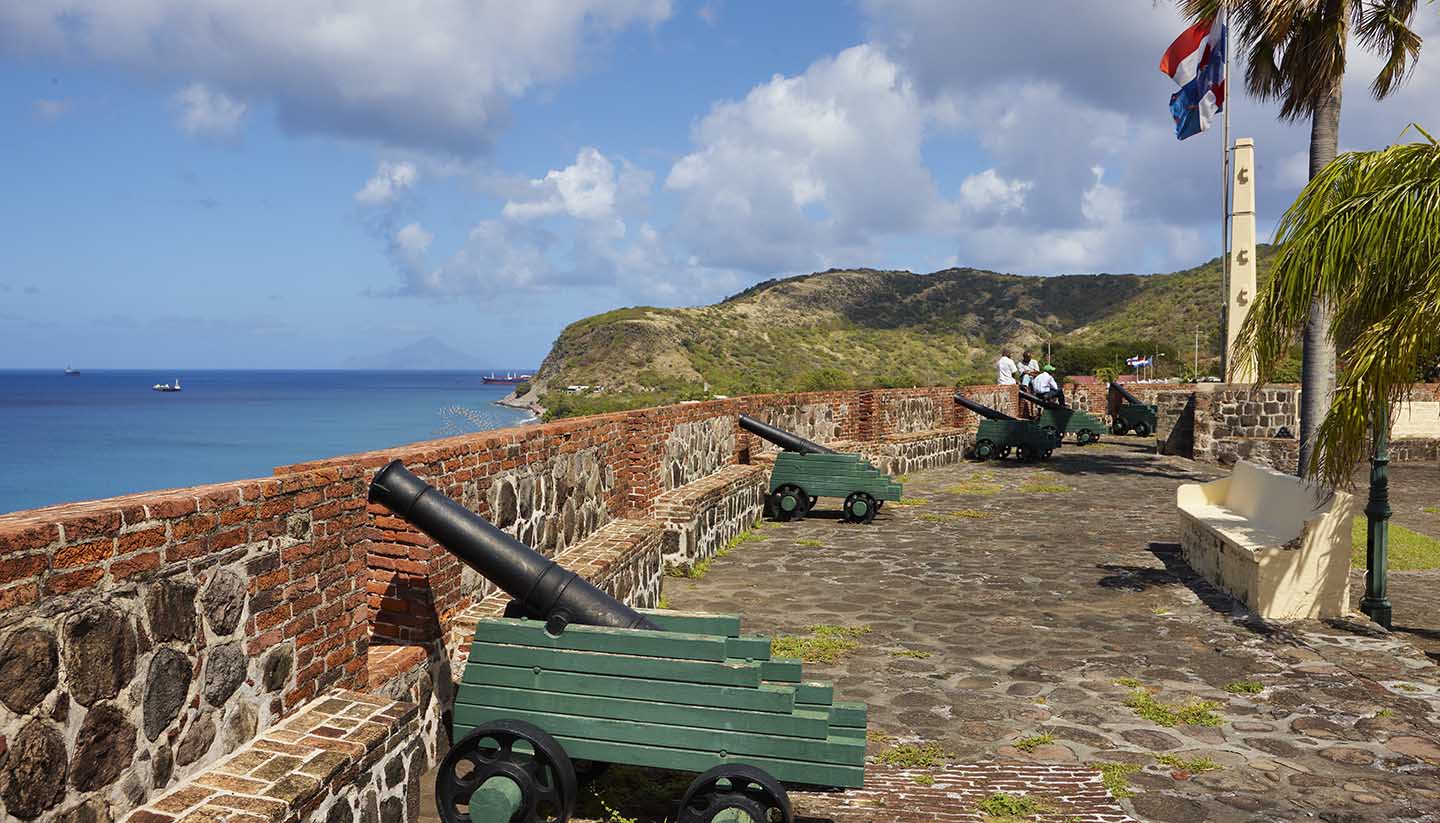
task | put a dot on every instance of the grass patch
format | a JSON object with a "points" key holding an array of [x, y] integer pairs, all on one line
{"points": [[747, 536], [1194, 765], [1004, 807], [664, 602], [963, 514], [913, 756], [1409, 551], [1384, 713], [1116, 777], [1194, 713], [694, 571], [810, 544], [1029, 744], [913, 501], [1245, 687], [973, 488], [1044, 488], [915, 653], [1039, 700], [877, 736], [924, 779], [1128, 682], [902, 479], [1431, 509], [1160, 611], [824, 644]]}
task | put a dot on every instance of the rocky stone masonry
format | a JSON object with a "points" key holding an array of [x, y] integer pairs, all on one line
{"points": [[347, 758], [899, 454], [696, 450], [907, 415], [701, 517], [820, 422], [144, 637]]}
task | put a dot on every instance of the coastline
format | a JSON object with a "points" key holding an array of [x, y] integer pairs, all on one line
{"points": [[510, 401]]}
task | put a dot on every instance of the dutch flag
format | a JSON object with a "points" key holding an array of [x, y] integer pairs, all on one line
{"points": [[1196, 62]]}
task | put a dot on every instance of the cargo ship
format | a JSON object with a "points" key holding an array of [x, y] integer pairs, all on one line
{"points": [[511, 379]]}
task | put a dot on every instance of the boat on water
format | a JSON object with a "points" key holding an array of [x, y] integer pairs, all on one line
{"points": [[167, 386], [510, 379], [69, 372]]}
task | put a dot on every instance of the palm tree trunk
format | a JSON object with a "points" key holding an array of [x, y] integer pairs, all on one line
{"points": [[1317, 368]]}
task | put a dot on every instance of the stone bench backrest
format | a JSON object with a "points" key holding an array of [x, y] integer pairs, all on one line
{"points": [[1278, 503]]}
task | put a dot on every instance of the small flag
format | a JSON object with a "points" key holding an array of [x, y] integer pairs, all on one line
{"points": [[1137, 362], [1196, 62]]}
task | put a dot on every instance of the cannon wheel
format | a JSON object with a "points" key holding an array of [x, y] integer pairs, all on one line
{"points": [[735, 787], [1085, 437], [1142, 429], [1118, 427], [984, 450], [545, 775], [860, 507], [1053, 432], [1045, 455], [810, 504], [791, 502], [1005, 452]]}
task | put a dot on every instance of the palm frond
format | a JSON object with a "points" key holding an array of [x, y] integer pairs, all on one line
{"points": [[1383, 27]]}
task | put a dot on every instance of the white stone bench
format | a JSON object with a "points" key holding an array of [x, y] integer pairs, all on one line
{"points": [[1278, 544]]}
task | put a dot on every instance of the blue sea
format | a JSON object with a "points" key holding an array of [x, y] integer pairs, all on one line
{"points": [[106, 433]]}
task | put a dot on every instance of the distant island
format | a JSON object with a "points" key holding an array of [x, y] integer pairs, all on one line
{"points": [[425, 353]]}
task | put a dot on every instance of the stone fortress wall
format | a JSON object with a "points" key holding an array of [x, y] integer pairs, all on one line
{"points": [[278, 649]]}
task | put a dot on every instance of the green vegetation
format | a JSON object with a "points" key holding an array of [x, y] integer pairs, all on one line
{"points": [[1044, 488], [664, 602], [1033, 742], [1385, 713], [1001, 807], [522, 388], [924, 779], [1194, 713], [913, 756], [1128, 682], [866, 328], [977, 489], [1245, 687], [1116, 777], [810, 544], [1194, 765], [824, 644], [917, 654], [1431, 509], [1409, 551], [913, 501], [747, 536], [962, 514]]}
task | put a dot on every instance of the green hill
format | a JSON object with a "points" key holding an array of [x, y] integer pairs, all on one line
{"points": [[859, 328]]}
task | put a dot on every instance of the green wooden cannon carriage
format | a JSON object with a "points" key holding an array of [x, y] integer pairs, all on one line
{"points": [[806, 471], [1061, 420], [1128, 414], [571, 675], [999, 435]]}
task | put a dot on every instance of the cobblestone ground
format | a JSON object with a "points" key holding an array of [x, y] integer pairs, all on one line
{"points": [[1007, 601]]}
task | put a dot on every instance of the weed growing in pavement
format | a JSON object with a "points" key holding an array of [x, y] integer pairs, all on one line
{"points": [[1116, 777], [1002, 807], [1128, 682], [810, 544], [963, 514], [1245, 687], [913, 756], [824, 644], [1033, 742], [1194, 765], [1044, 488], [977, 489], [913, 501], [915, 653], [1194, 713], [924, 779]]}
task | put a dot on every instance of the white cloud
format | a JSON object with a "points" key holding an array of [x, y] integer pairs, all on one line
{"points": [[989, 193], [425, 74], [201, 111], [584, 190], [52, 109], [389, 182], [807, 166]]}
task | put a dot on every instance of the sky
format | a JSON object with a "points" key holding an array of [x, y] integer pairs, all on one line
{"points": [[272, 184]]}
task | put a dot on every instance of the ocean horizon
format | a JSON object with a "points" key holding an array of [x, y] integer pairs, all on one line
{"points": [[105, 432]]}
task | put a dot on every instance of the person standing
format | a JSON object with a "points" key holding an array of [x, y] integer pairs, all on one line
{"points": [[1005, 369]]}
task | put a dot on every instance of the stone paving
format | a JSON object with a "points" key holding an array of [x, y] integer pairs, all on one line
{"points": [[1006, 602], [1031, 602]]}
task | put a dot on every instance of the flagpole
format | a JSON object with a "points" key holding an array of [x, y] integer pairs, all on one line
{"points": [[1225, 211]]}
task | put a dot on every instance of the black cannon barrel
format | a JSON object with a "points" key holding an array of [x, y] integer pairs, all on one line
{"points": [[543, 588], [785, 440], [1046, 404], [980, 409], [1129, 398]]}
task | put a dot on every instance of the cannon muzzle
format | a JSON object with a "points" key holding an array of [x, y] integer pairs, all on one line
{"points": [[785, 440], [1119, 389], [981, 409], [542, 588]]}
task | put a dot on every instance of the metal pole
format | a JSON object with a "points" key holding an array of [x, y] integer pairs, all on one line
{"points": [[1225, 212], [1376, 603], [1197, 355]]}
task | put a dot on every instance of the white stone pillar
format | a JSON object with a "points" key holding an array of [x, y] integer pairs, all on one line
{"points": [[1241, 289]]}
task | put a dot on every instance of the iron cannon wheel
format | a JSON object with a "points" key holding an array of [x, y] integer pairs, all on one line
{"points": [[538, 765], [1005, 452], [1052, 431], [1118, 428], [1085, 437], [984, 450], [735, 787], [860, 507], [791, 502], [1142, 429], [1045, 455], [810, 505]]}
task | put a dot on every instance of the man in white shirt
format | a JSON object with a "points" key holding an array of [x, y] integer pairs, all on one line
{"points": [[1046, 387], [1029, 367], [1005, 369]]}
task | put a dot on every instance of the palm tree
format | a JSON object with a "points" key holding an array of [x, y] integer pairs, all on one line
{"points": [[1294, 52], [1364, 236]]}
